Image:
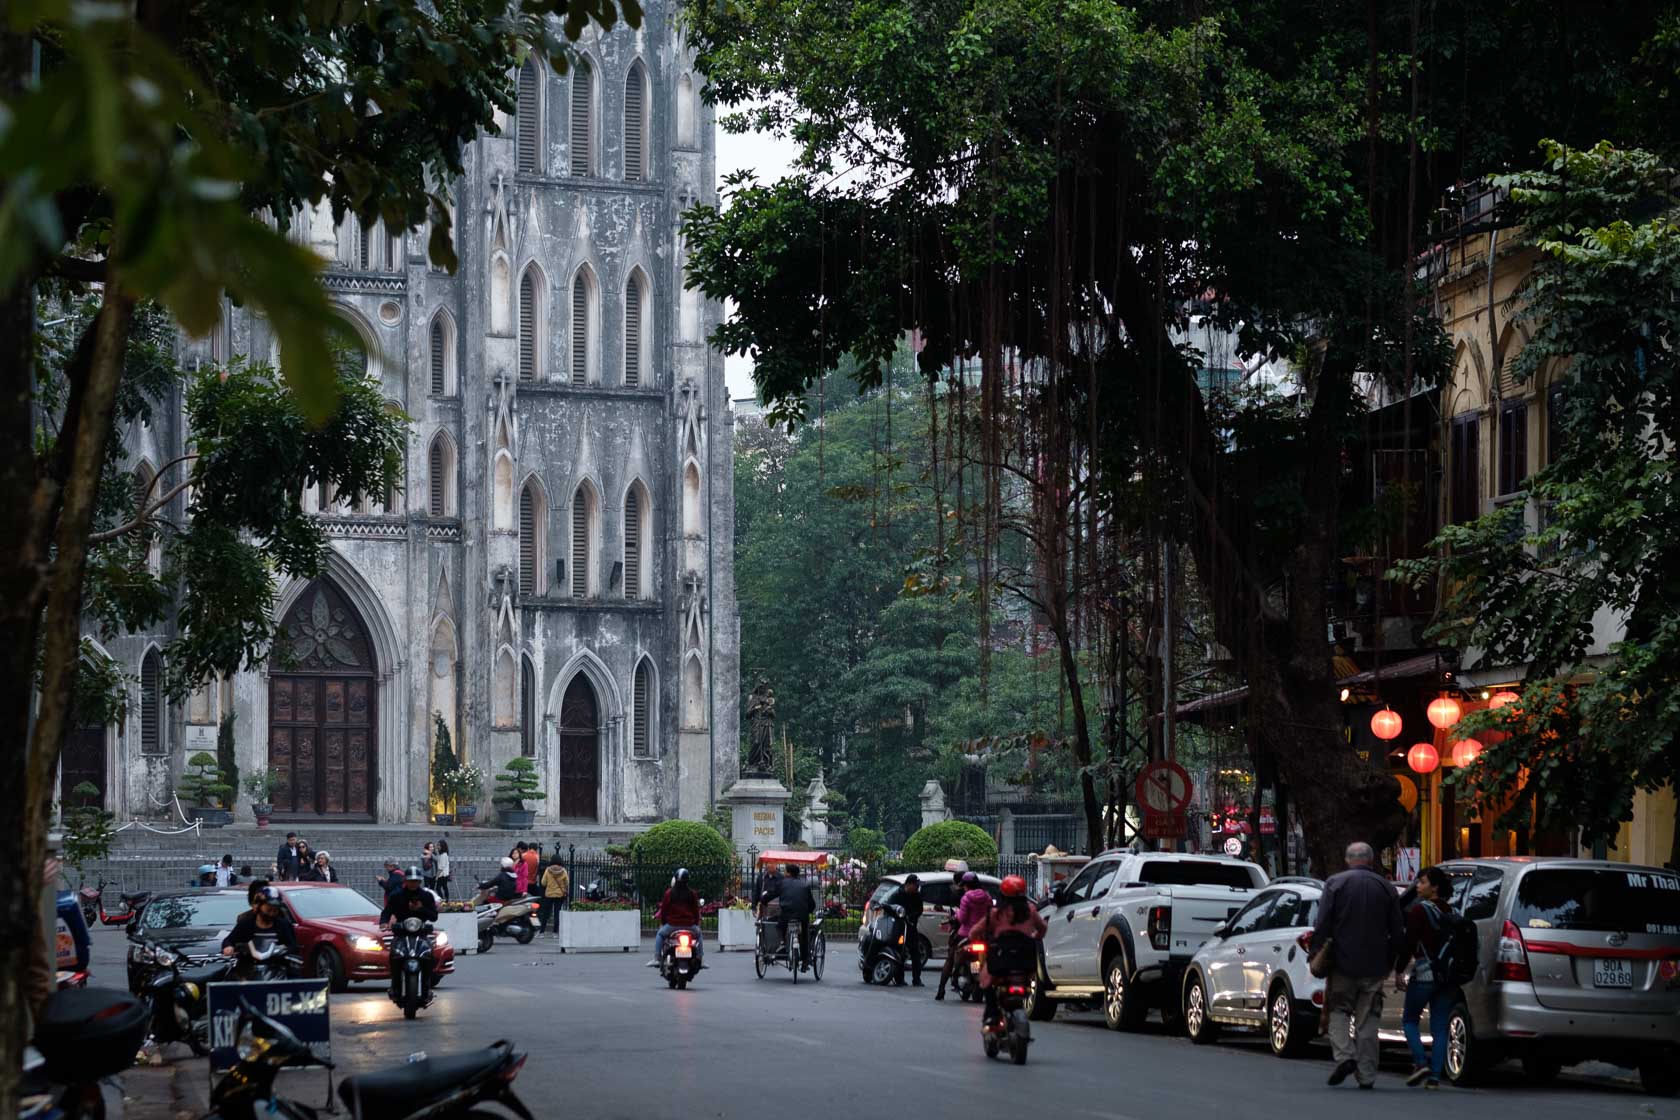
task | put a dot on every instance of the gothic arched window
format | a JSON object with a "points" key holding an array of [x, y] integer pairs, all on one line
{"points": [[635, 123], [531, 511], [440, 479], [635, 293], [530, 325], [441, 352], [583, 119], [528, 126], [641, 712], [636, 536], [583, 296], [583, 540], [151, 704]]}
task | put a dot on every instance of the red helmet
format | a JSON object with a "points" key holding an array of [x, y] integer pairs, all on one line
{"points": [[1013, 886]]}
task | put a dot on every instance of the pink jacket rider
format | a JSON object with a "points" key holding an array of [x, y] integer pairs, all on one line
{"points": [[974, 909]]}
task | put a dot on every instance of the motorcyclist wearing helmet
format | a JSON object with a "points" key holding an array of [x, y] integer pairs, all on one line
{"points": [[1013, 916], [678, 909], [412, 900], [267, 917], [502, 888], [972, 909]]}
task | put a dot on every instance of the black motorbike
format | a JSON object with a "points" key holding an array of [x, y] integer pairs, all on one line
{"points": [[264, 958], [444, 1088], [883, 945], [179, 997], [965, 975], [412, 964], [680, 962], [1014, 960], [84, 1038]]}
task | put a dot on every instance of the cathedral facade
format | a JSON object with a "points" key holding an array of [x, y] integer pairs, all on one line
{"points": [[555, 579]]}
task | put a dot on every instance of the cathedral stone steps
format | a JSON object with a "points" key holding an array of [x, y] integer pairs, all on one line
{"points": [[249, 844]]}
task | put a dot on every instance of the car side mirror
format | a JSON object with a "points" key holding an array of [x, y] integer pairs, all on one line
{"points": [[1223, 929], [1058, 894]]}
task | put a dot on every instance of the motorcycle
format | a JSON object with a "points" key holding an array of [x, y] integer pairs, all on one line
{"points": [[680, 962], [84, 1038], [882, 948], [264, 958], [965, 977], [179, 998], [1014, 960], [515, 919], [92, 900], [443, 1088], [411, 965]]}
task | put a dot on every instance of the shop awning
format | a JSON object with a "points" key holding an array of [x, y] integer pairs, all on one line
{"points": [[1420, 665]]}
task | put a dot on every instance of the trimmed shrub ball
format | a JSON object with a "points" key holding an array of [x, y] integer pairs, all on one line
{"points": [[930, 847], [666, 846]]}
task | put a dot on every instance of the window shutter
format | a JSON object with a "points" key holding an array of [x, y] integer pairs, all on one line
{"points": [[632, 545], [1466, 452], [580, 330], [529, 123], [437, 357], [527, 709], [437, 479], [582, 89], [639, 714], [150, 703], [580, 545], [364, 245], [527, 328], [527, 543], [633, 331], [635, 123]]}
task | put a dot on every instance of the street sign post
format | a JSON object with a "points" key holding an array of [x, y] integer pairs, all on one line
{"points": [[1163, 792], [299, 1004]]}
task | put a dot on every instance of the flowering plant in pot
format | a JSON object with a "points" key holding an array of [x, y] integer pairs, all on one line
{"points": [[464, 786], [260, 788]]}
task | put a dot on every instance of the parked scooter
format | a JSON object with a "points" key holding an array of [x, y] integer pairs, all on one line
{"points": [[85, 1037], [1014, 959], [515, 919], [92, 900], [179, 999], [412, 962], [681, 961], [882, 947], [443, 1088]]}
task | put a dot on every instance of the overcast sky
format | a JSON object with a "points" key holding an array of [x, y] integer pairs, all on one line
{"points": [[769, 159]]}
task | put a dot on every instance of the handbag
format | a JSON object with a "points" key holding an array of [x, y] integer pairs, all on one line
{"points": [[1319, 963]]}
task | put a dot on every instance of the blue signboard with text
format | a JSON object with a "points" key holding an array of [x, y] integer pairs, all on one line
{"points": [[300, 1004]]}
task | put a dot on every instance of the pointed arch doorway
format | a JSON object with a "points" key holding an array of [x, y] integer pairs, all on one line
{"points": [[323, 710], [580, 752]]}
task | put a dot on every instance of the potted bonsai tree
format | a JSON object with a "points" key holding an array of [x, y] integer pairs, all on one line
{"points": [[465, 787], [202, 788], [516, 785], [260, 788]]}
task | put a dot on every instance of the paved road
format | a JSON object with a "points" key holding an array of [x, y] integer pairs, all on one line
{"points": [[606, 1039]]}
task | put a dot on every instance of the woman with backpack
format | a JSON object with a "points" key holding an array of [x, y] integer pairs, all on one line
{"points": [[1425, 977]]}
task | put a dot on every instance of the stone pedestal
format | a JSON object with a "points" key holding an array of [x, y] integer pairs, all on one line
{"points": [[813, 823], [755, 806], [933, 803]]}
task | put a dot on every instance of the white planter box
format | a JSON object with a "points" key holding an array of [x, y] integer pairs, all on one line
{"points": [[462, 930], [737, 931], [600, 930]]}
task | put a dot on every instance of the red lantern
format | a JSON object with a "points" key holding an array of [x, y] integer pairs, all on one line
{"points": [[1443, 713], [1422, 758], [1501, 699], [1386, 724], [1465, 752]]}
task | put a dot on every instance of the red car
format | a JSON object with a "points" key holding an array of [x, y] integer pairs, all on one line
{"points": [[338, 934]]}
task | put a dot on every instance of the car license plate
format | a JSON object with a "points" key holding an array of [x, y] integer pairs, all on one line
{"points": [[687, 951], [1612, 972]]}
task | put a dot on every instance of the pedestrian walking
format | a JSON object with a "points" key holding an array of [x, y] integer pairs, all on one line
{"points": [[443, 868], [306, 857], [556, 887], [224, 872], [324, 871], [391, 880], [521, 869], [286, 863], [1361, 931], [533, 864], [1420, 973], [428, 867]]}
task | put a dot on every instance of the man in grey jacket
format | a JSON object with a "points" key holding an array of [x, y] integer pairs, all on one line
{"points": [[1359, 916]]}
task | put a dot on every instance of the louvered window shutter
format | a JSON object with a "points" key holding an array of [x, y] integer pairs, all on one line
{"points": [[437, 357], [639, 726], [150, 714], [632, 546], [527, 542], [529, 126], [527, 328], [437, 480], [635, 124], [364, 245], [582, 89], [580, 545], [580, 330], [633, 331]]}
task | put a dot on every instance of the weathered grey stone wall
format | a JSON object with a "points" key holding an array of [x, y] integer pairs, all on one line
{"points": [[440, 595]]}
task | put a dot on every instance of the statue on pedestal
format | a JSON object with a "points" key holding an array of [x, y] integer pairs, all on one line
{"points": [[761, 733]]}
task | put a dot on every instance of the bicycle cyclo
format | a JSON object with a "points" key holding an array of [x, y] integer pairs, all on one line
{"points": [[790, 920]]}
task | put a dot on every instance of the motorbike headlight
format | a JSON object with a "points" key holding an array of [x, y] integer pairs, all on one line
{"points": [[143, 955], [366, 944], [251, 1045], [164, 957], [442, 939]]}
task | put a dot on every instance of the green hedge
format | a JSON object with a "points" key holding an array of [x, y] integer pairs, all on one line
{"points": [[673, 844], [930, 847]]}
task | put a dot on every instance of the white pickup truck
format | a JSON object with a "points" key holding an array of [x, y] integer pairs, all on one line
{"points": [[1123, 930]]}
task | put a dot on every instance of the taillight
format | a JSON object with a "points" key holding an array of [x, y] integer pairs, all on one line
{"points": [[512, 1069], [1668, 972], [978, 948], [1017, 990], [1511, 962], [1305, 942], [682, 941], [1318, 998], [1160, 926]]}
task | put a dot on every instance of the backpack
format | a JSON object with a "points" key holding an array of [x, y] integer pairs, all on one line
{"points": [[1454, 963]]}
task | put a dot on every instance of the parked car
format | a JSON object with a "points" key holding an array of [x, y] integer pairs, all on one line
{"points": [[339, 937], [939, 898], [1252, 971], [1579, 961], [188, 924], [1126, 927]]}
